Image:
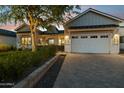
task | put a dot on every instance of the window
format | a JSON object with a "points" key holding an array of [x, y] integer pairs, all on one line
{"points": [[25, 40], [104, 36], [93, 36], [121, 39], [84, 37], [74, 37], [51, 41], [61, 41]]}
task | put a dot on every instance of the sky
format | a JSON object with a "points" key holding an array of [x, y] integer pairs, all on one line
{"points": [[116, 10]]}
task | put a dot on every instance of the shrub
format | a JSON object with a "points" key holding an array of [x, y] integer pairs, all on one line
{"points": [[5, 47], [13, 65]]}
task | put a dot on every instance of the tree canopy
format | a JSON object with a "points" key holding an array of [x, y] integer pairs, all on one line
{"points": [[36, 15]]}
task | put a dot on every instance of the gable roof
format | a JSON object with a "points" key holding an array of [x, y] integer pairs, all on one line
{"points": [[23, 25], [19, 27], [95, 11], [7, 33], [52, 30]]}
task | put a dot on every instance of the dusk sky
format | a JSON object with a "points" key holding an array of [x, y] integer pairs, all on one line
{"points": [[116, 10]]}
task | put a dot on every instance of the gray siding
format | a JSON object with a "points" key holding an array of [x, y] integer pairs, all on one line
{"points": [[92, 18], [8, 40]]}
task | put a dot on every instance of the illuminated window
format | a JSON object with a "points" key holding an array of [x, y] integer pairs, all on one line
{"points": [[26, 41], [61, 41], [51, 41]]}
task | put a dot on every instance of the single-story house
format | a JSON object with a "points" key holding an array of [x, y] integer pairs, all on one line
{"points": [[94, 31], [49, 37], [7, 37]]}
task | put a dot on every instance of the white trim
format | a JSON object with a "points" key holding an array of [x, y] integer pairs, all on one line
{"points": [[95, 29]]}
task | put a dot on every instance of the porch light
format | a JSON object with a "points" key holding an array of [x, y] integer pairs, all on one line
{"points": [[60, 41], [66, 39], [116, 39]]}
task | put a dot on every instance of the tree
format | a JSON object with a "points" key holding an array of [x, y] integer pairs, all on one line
{"points": [[35, 16]]}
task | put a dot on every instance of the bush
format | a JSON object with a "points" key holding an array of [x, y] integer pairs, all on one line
{"points": [[5, 47], [13, 65]]}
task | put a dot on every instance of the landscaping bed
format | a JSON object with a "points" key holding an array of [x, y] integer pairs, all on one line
{"points": [[14, 66], [48, 80]]}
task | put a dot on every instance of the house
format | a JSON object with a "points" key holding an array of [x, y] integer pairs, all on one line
{"points": [[49, 37], [94, 32], [7, 37]]}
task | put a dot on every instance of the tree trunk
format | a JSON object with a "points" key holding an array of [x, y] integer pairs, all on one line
{"points": [[33, 37], [33, 26], [33, 41]]}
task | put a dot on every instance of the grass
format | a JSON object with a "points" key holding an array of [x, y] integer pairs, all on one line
{"points": [[14, 64]]}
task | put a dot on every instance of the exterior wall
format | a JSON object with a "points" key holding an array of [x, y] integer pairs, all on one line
{"points": [[92, 18], [115, 48], [8, 40], [56, 38], [121, 33], [44, 38], [18, 38]]}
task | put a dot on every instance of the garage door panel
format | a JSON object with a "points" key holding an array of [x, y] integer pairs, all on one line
{"points": [[94, 43]]}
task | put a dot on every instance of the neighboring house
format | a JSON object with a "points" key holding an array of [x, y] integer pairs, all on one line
{"points": [[52, 37], [7, 37], [94, 32]]}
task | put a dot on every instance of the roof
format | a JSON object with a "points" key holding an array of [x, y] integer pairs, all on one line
{"points": [[52, 30], [98, 12], [93, 26], [7, 33], [20, 26]]}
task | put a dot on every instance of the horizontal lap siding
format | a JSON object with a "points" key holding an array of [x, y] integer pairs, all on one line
{"points": [[8, 40]]}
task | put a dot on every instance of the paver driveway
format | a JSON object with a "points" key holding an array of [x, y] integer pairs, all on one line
{"points": [[91, 70]]}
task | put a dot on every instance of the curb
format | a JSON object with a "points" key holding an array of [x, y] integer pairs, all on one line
{"points": [[36, 75]]}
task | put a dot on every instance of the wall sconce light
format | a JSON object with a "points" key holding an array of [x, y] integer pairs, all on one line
{"points": [[66, 39], [116, 39]]}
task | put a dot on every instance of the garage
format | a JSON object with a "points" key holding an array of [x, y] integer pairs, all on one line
{"points": [[90, 42], [92, 31]]}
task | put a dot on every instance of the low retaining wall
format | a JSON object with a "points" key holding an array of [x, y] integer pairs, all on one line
{"points": [[35, 76]]}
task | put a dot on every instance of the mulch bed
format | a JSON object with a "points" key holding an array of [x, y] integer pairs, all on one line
{"points": [[49, 78]]}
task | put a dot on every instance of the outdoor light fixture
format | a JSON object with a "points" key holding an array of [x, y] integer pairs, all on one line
{"points": [[66, 39], [116, 39], [60, 41]]}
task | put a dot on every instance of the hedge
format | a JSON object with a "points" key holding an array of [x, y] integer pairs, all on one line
{"points": [[13, 65], [5, 48]]}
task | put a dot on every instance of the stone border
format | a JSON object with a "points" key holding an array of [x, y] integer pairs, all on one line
{"points": [[35, 76]]}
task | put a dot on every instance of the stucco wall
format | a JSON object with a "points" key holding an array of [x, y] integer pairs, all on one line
{"points": [[8, 40]]}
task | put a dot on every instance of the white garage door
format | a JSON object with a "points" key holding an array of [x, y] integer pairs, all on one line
{"points": [[90, 42]]}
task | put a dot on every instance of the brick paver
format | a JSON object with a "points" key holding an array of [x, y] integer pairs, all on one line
{"points": [[91, 70]]}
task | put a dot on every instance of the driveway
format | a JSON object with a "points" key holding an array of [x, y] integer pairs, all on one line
{"points": [[91, 70]]}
